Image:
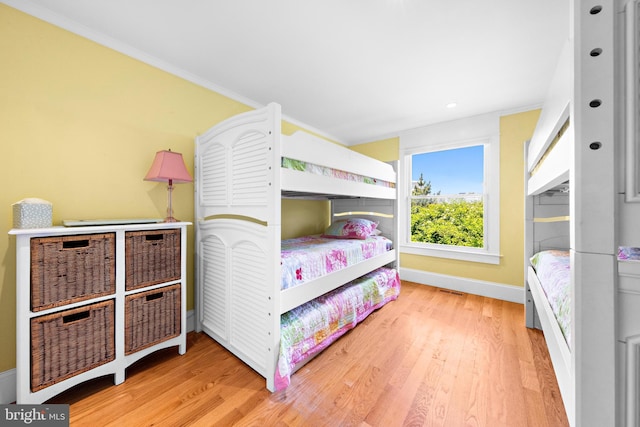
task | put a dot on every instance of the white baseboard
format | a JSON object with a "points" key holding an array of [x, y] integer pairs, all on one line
{"points": [[8, 378], [461, 284], [8, 386]]}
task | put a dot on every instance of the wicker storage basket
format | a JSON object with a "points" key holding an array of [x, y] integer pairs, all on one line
{"points": [[151, 257], [151, 317], [68, 269], [70, 342]]}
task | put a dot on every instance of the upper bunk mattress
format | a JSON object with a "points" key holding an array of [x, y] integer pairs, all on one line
{"points": [[310, 257], [553, 271]]}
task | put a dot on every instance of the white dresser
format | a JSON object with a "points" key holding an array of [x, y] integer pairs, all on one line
{"points": [[92, 300]]}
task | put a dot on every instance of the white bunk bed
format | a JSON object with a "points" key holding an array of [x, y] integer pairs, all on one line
{"points": [[239, 186], [548, 159], [584, 88]]}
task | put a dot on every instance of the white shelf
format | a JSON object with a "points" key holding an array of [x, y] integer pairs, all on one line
{"points": [[25, 314]]}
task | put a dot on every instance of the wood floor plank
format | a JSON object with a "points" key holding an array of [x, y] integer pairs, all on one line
{"points": [[549, 391], [431, 358]]}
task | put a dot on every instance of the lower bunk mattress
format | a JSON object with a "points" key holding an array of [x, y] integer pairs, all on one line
{"points": [[310, 257], [553, 270], [310, 328]]}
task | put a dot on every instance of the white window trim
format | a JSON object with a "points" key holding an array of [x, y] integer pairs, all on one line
{"points": [[424, 141]]}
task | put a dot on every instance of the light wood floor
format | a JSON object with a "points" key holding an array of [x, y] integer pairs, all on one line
{"points": [[431, 358]]}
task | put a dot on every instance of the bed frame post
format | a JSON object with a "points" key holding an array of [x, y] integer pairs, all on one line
{"points": [[593, 198], [529, 305], [274, 232]]}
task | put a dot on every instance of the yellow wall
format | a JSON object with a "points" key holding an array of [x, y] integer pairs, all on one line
{"points": [[386, 150], [79, 127], [515, 129]]}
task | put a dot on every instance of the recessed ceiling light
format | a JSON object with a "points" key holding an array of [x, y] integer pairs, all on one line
{"points": [[451, 105]]}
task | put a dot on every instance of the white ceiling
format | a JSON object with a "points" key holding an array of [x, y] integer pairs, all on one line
{"points": [[356, 70]]}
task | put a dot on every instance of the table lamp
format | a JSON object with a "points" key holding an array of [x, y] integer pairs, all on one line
{"points": [[169, 167]]}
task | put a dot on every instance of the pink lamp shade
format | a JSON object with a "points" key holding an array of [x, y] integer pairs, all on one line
{"points": [[168, 166]]}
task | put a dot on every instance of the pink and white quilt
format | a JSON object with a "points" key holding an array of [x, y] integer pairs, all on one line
{"points": [[553, 271], [310, 257], [308, 329]]}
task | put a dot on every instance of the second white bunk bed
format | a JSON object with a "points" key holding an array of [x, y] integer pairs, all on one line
{"points": [[583, 351], [548, 281], [244, 166]]}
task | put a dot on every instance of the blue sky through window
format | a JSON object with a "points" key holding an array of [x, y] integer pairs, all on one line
{"points": [[451, 171]]}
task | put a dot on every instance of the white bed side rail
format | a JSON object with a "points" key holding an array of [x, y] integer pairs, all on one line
{"points": [[328, 154], [559, 351], [293, 297], [554, 168], [555, 110], [301, 184]]}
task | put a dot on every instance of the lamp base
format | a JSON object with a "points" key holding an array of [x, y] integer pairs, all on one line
{"points": [[170, 217]]}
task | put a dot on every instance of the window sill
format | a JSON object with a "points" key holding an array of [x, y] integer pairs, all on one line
{"points": [[461, 254]]}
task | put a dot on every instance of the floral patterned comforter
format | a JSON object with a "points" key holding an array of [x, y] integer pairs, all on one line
{"points": [[553, 271], [308, 329], [299, 165], [628, 253], [309, 257]]}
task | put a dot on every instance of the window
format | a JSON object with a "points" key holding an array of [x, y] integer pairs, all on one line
{"points": [[449, 200], [447, 197]]}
